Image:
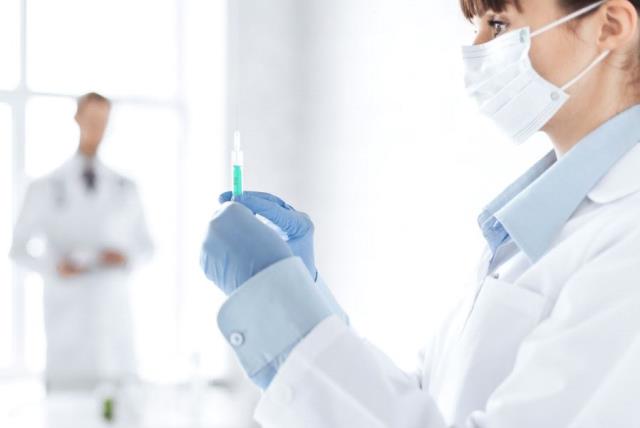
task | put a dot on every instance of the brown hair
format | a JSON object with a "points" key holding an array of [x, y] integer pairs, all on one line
{"points": [[91, 97], [477, 8], [473, 8]]}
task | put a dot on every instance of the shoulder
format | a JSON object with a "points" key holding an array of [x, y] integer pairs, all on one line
{"points": [[620, 225], [56, 177], [44, 184], [609, 274], [610, 268]]}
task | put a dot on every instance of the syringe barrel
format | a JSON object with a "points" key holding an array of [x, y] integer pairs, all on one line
{"points": [[237, 179], [237, 158], [237, 163]]}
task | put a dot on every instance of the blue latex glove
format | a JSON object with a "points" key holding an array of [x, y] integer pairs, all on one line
{"points": [[238, 246], [298, 226]]}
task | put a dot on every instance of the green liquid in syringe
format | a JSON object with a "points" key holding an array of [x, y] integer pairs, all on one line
{"points": [[237, 180]]}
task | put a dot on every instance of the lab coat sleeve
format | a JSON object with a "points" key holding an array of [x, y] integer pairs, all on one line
{"points": [[266, 317], [336, 379], [30, 225], [577, 369], [330, 300], [140, 247]]}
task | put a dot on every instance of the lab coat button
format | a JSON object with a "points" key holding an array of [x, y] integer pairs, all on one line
{"points": [[236, 339], [523, 36], [555, 96]]}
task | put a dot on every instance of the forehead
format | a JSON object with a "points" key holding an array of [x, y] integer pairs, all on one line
{"points": [[477, 8], [94, 104], [94, 109]]}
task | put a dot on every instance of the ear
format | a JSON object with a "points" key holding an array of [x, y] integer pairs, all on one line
{"points": [[619, 24]]}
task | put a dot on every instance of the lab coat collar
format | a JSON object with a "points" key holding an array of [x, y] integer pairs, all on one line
{"points": [[604, 166], [79, 162]]}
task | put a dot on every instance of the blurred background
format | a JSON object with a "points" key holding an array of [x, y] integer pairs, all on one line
{"points": [[351, 110]]}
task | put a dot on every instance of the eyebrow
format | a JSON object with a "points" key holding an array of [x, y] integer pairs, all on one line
{"points": [[477, 8]]}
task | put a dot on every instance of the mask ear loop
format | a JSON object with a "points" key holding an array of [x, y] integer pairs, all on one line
{"points": [[567, 18], [586, 71]]}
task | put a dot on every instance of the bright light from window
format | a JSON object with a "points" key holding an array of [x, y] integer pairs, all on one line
{"points": [[9, 43], [118, 47], [6, 312], [35, 345], [143, 143], [52, 134]]}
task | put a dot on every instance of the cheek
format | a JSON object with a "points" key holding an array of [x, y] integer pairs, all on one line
{"points": [[551, 56], [559, 59]]}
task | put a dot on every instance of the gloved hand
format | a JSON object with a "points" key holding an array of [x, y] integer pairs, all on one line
{"points": [[298, 226], [238, 246]]}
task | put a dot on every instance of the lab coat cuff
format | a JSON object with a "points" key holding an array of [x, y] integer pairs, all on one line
{"points": [[330, 300], [272, 312]]}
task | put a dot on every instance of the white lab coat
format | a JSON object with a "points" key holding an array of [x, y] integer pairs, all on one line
{"points": [[554, 344], [87, 318]]}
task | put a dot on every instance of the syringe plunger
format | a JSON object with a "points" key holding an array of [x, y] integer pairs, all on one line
{"points": [[237, 157]]}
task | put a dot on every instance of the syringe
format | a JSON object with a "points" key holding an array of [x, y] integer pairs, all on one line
{"points": [[237, 166]]}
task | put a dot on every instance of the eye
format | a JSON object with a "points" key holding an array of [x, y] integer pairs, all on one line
{"points": [[498, 27]]}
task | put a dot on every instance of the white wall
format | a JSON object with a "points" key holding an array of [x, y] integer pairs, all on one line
{"points": [[354, 111], [265, 89]]}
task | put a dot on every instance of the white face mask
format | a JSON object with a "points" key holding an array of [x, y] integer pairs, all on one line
{"points": [[500, 77]]}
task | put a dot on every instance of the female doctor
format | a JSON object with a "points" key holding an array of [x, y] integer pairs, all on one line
{"points": [[550, 337]]}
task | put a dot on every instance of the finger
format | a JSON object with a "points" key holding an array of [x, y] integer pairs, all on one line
{"points": [[266, 208], [293, 223], [228, 196], [225, 197], [271, 198]]}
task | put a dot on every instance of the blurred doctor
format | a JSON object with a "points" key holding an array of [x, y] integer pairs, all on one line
{"points": [[83, 229], [549, 336]]}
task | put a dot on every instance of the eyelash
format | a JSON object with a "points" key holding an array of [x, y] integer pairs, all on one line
{"points": [[498, 26]]}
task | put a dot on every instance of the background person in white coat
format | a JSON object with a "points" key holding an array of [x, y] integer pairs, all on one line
{"points": [[550, 334], [83, 229]]}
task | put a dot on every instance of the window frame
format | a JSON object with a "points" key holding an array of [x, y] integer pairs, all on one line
{"points": [[17, 100]]}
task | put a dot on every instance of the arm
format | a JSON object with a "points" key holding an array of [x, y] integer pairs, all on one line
{"points": [[276, 308], [268, 295], [576, 369], [299, 230], [30, 226], [332, 377]]}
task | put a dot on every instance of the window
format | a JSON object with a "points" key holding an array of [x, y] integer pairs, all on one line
{"points": [[143, 143], [9, 44], [6, 194], [120, 47], [51, 134], [128, 51]]}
